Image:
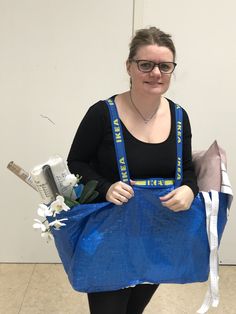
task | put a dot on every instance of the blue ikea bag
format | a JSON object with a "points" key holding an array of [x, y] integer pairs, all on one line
{"points": [[106, 247]]}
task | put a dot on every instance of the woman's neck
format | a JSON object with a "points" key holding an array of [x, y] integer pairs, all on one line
{"points": [[145, 102], [146, 106]]}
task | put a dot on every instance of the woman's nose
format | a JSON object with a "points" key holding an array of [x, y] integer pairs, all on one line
{"points": [[156, 71]]}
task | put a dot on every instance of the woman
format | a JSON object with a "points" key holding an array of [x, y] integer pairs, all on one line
{"points": [[148, 123]]}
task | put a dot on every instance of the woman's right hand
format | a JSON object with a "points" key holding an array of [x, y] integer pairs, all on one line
{"points": [[119, 193]]}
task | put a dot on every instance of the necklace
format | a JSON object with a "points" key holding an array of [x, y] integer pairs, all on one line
{"points": [[146, 120]]}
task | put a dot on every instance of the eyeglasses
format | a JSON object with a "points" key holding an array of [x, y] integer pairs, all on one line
{"points": [[147, 66]]}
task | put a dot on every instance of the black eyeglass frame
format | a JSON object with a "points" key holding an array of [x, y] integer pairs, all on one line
{"points": [[154, 65]]}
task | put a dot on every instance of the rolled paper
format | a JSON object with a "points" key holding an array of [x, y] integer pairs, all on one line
{"points": [[60, 171], [50, 179], [42, 184], [21, 173]]}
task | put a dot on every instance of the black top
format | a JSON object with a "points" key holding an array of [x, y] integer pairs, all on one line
{"points": [[92, 154]]}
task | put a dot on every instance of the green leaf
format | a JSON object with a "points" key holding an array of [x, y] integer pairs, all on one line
{"points": [[92, 197], [88, 191], [70, 202]]}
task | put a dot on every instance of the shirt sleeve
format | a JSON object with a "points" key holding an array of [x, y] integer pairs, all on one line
{"points": [[189, 177], [84, 148]]}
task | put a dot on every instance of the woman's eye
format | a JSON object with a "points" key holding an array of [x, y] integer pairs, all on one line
{"points": [[146, 65], [165, 67]]}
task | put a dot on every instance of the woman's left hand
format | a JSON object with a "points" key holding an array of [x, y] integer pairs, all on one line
{"points": [[178, 199]]}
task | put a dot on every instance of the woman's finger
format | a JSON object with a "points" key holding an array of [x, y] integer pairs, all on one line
{"points": [[167, 196], [126, 187], [119, 193], [120, 197]]}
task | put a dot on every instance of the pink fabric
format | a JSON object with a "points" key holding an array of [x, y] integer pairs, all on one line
{"points": [[207, 166]]}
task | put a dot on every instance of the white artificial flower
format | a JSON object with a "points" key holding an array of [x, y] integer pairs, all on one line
{"points": [[39, 225], [70, 180], [57, 224], [58, 205], [47, 235], [44, 211]]}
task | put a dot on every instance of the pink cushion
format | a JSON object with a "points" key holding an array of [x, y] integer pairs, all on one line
{"points": [[207, 166]]}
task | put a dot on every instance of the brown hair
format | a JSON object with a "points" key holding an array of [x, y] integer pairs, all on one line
{"points": [[150, 36]]}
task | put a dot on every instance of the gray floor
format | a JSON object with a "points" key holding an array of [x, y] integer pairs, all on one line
{"points": [[43, 288]]}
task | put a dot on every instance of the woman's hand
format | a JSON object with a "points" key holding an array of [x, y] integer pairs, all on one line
{"points": [[178, 199], [119, 193]]}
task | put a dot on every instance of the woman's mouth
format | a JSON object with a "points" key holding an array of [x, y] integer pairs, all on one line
{"points": [[154, 83]]}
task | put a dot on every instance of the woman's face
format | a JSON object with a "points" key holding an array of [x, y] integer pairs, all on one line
{"points": [[153, 82]]}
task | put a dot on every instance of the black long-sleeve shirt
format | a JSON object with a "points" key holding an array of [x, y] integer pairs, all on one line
{"points": [[92, 154]]}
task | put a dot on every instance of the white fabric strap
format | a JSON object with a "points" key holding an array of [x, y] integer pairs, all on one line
{"points": [[226, 185], [212, 208]]}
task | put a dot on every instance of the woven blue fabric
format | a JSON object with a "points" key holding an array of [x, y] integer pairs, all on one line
{"points": [[105, 247]]}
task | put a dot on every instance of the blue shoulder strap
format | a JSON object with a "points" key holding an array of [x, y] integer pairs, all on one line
{"points": [[179, 145], [120, 148], [119, 142]]}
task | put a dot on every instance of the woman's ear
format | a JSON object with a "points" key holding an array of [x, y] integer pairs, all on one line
{"points": [[128, 64]]}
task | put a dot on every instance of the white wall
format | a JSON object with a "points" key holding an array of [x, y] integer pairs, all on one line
{"points": [[204, 83], [56, 59]]}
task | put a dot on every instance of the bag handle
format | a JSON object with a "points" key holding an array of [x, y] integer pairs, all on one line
{"points": [[179, 145], [119, 142]]}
